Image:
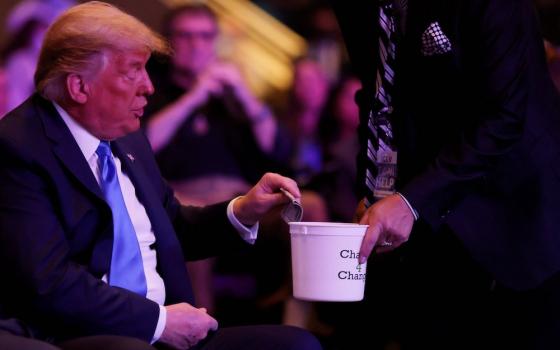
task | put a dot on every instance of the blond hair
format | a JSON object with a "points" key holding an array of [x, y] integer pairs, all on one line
{"points": [[77, 41]]}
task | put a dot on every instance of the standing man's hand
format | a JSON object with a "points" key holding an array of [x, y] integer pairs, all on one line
{"points": [[390, 221], [264, 196], [186, 326]]}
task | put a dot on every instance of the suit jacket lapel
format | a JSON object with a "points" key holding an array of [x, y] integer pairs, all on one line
{"points": [[65, 147], [67, 150], [163, 230], [169, 253], [142, 184]]}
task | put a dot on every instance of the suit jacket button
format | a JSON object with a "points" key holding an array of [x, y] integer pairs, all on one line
{"points": [[444, 215]]}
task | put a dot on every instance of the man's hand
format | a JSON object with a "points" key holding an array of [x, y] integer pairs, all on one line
{"points": [[390, 221], [220, 76], [213, 80], [264, 196], [208, 84], [186, 326]]}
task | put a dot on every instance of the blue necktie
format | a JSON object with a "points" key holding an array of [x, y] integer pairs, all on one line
{"points": [[127, 270]]}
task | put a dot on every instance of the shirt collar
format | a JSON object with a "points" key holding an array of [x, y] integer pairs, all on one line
{"points": [[86, 141]]}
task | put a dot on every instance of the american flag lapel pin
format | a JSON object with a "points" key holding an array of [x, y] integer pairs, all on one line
{"points": [[130, 156]]}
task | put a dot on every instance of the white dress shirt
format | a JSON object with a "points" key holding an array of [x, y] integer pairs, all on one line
{"points": [[142, 226]]}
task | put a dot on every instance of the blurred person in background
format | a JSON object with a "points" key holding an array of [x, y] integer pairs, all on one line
{"points": [[330, 194], [336, 183], [302, 116], [324, 41], [212, 136], [205, 105], [26, 26]]}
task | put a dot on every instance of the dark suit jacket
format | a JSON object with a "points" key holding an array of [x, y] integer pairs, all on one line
{"points": [[477, 129], [56, 231]]}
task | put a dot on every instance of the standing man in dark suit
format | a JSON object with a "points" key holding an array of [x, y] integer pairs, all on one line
{"points": [[458, 107], [92, 240]]}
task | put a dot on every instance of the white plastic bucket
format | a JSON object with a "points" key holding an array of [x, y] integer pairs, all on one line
{"points": [[325, 261]]}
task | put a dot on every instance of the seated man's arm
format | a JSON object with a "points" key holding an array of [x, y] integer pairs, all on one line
{"points": [[208, 231]]}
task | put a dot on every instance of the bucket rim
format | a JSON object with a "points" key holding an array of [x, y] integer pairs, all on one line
{"points": [[326, 224]]}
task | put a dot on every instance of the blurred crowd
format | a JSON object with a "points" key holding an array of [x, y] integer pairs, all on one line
{"points": [[25, 25], [203, 104]]}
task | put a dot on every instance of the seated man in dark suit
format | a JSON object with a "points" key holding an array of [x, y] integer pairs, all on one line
{"points": [[92, 240]]}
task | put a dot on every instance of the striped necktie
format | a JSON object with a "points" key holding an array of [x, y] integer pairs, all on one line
{"points": [[381, 170]]}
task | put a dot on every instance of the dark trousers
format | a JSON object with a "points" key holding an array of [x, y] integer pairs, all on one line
{"points": [[452, 303], [9, 341], [264, 337], [530, 319], [430, 294]]}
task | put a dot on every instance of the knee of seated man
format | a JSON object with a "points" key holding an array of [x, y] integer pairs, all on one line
{"points": [[300, 339], [105, 342], [9, 341]]}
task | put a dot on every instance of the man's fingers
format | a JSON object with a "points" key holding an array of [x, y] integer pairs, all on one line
{"points": [[275, 181], [369, 241], [395, 243], [213, 324], [292, 186], [380, 249]]}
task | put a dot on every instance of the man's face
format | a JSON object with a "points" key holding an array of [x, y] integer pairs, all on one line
{"points": [[117, 95], [193, 37]]}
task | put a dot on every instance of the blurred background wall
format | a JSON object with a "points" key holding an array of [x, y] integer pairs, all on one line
{"points": [[150, 11], [265, 36], [261, 45], [287, 11]]}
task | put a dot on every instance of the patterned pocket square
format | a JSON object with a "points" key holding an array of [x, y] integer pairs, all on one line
{"points": [[434, 41]]}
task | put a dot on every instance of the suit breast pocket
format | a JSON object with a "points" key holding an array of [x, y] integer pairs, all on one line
{"points": [[438, 68], [435, 82]]}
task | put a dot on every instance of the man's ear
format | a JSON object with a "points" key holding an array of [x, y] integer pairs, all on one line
{"points": [[78, 88]]}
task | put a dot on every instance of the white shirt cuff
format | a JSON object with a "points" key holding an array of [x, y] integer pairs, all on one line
{"points": [[162, 320], [414, 212], [249, 234]]}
